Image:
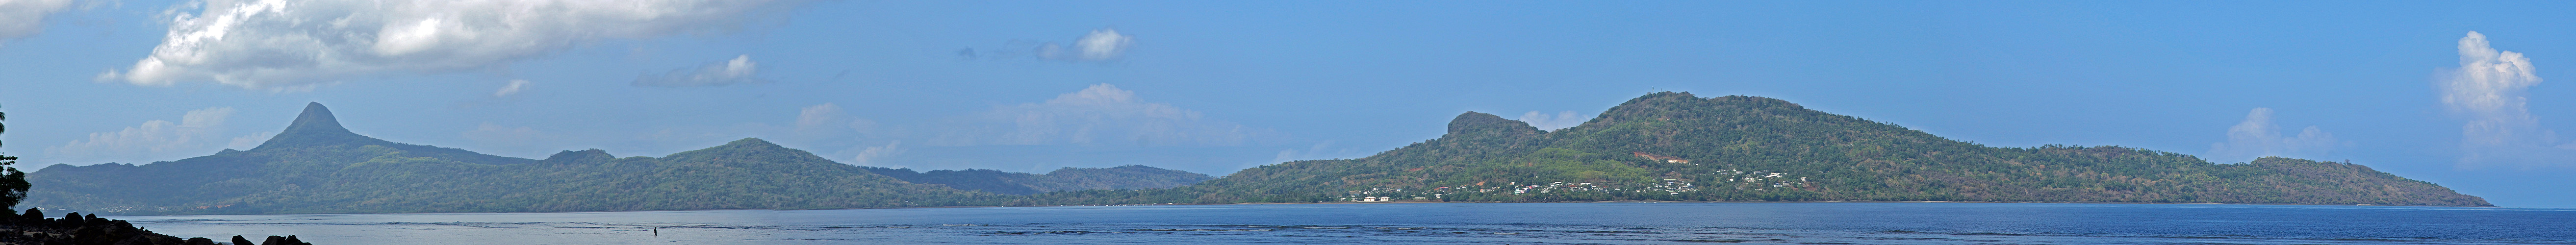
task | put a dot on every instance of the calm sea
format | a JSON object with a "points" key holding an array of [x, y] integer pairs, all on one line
{"points": [[1436, 223]]}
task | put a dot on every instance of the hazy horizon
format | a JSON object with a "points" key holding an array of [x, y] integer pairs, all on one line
{"points": [[2450, 93]]}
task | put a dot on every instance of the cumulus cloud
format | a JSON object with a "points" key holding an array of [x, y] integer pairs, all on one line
{"points": [[513, 88], [1103, 44], [1100, 45], [740, 70], [1561, 120], [154, 140], [2488, 90], [22, 18], [2258, 137], [869, 156], [1099, 115], [294, 44]]}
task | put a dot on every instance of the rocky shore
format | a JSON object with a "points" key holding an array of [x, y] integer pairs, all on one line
{"points": [[33, 228]]}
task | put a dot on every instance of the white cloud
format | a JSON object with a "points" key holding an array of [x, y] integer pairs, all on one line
{"points": [[154, 140], [22, 18], [1099, 115], [740, 70], [1103, 44], [2489, 89], [1561, 120], [513, 88], [2257, 137], [1100, 45], [868, 156], [298, 44]]}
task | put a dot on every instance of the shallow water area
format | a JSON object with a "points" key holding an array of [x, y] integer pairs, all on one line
{"points": [[1436, 223]]}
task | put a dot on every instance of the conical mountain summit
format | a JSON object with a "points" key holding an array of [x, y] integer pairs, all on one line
{"points": [[316, 119], [317, 127]]}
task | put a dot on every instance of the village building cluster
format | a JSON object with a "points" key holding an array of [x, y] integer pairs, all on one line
{"points": [[1738, 179], [1772, 179]]}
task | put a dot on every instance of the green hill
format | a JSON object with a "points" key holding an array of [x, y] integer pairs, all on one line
{"points": [[1675, 146], [316, 166]]}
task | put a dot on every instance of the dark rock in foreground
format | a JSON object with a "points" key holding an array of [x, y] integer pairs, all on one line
{"points": [[34, 228]]}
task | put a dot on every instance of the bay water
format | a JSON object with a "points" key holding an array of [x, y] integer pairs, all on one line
{"points": [[1434, 223]]}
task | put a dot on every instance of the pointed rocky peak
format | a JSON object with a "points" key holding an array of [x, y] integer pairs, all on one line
{"points": [[316, 126], [1481, 124], [579, 156], [315, 120]]}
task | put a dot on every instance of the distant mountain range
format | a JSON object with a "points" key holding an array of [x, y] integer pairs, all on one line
{"points": [[1663, 146], [1130, 177], [316, 166]]}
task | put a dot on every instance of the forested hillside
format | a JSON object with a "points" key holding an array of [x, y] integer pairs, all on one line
{"points": [[1663, 146], [316, 166], [1675, 146]]}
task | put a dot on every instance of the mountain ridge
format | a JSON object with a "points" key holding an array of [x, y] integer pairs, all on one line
{"points": [[1664, 146], [1062, 179], [319, 166], [1674, 146]]}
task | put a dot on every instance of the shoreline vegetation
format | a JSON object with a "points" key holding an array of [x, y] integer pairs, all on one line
{"points": [[1661, 147]]}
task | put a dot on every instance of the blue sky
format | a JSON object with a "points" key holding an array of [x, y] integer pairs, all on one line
{"points": [[1214, 87]]}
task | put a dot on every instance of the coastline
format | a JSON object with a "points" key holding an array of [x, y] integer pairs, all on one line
{"points": [[2191, 203], [1310, 203], [1433, 224]]}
